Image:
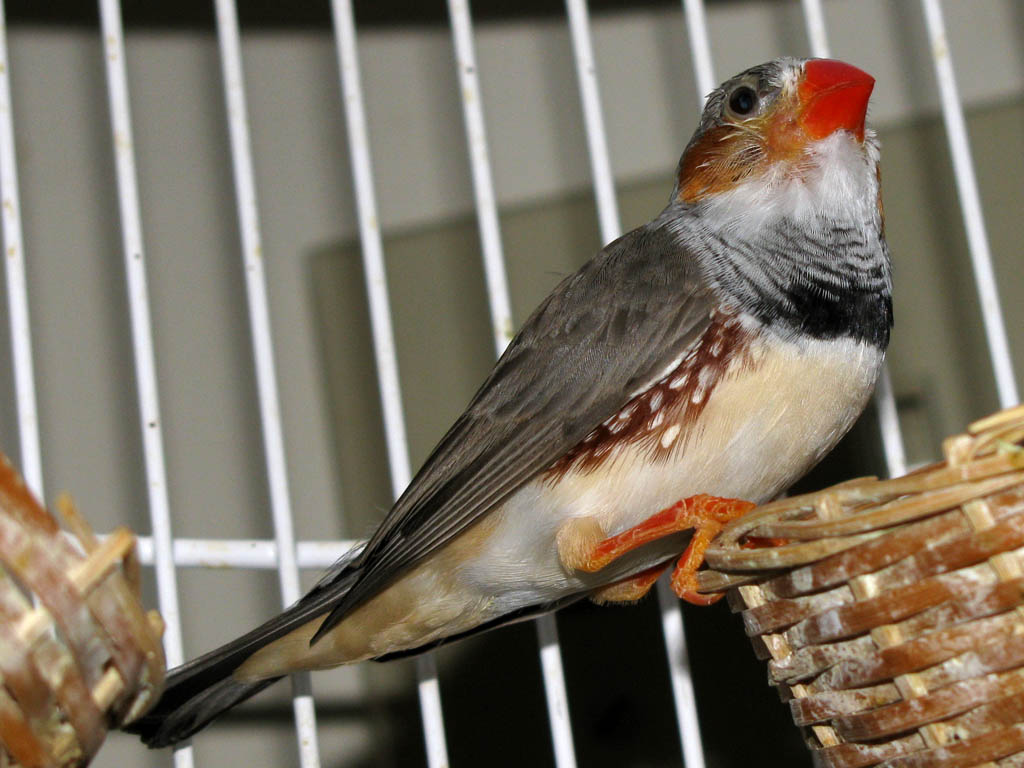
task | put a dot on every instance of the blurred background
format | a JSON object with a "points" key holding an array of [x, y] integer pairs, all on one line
{"points": [[620, 700]]}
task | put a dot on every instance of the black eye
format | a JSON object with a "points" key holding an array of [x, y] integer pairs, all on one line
{"points": [[743, 100]]}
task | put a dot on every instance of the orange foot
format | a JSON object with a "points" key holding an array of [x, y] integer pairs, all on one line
{"points": [[629, 590], [706, 514]]}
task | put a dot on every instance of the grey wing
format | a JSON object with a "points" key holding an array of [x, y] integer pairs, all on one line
{"points": [[605, 332]]}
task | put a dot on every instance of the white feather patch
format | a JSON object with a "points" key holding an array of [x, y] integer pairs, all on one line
{"points": [[670, 436]]}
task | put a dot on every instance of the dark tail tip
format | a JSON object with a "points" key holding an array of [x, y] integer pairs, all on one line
{"points": [[202, 689], [170, 722]]}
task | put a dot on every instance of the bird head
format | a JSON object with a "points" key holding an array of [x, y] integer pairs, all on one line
{"points": [[765, 124], [778, 200]]}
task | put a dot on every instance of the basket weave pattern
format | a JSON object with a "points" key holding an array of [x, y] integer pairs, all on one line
{"points": [[892, 617], [77, 653]]}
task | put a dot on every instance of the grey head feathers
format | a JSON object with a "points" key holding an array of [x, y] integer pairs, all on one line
{"points": [[766, 80], [798, 242]]}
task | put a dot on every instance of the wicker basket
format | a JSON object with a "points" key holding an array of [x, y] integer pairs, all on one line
{"points": [[893, 615], [77, 653]]}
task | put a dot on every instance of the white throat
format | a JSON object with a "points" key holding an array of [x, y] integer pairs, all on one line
{"points": [[837, 182]]}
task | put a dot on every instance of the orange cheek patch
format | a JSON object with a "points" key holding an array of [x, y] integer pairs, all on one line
{"points": [[726, 156], [719, 160], [784, 139]]}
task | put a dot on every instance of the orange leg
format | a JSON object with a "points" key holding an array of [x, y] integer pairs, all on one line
{"points": [[684, 577], [629, 590], [706, 514]]}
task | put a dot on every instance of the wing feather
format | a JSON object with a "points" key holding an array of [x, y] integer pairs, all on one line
{"points": [[603, 333]]}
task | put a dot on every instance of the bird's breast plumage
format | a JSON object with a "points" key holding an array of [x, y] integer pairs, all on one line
{"points": [[776, 407]]}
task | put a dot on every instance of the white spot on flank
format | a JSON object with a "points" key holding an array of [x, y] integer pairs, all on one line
{"points": [[716, 348], [667, 370], [617, 427], [657, 420], [670, 436], [678, 381], [625, 413], [655, 401], [704, 377]]}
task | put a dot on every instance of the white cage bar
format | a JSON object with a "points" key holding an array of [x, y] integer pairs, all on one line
{"points": [[383, 336], [142, 340], [597, 143], [611, 228], [263, 352], [17, 292], [258, 554], [483, 183], [970, 206], [502, 326], [700, 48], [814, 19]]}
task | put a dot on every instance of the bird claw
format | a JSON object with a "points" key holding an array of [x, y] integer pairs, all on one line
{"points": [[712, 514], [629, 590], [707, 515]]}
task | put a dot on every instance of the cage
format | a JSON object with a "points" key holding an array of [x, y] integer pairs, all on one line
{"points": [[258, 258]]}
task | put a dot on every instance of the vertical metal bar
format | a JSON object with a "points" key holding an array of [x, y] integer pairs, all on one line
{"points": [[593, 120], [383, 337], [604, 186], [501, 317], [30, 454], [681, 676], [142, 339], [889, 425], [970, 204], [885, 399], [814, 17], [700, 47], [263, 351], [483, 184]]}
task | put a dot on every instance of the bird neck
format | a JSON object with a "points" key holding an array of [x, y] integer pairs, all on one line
{"points": [[804, 254]]}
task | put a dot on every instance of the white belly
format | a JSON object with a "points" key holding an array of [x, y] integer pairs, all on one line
{"points": [[762, 428]]}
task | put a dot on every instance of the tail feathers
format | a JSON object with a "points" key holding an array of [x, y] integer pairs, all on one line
{"points": [[198, 691], [164, 729]]}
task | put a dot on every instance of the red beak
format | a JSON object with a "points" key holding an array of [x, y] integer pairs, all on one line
{"points": [[834, 96]]}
